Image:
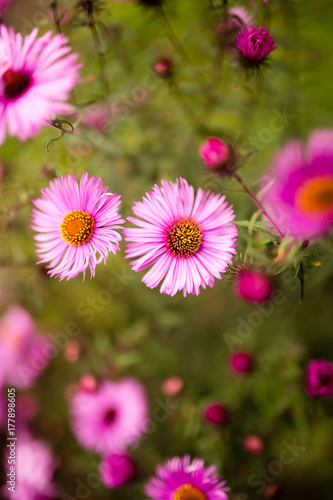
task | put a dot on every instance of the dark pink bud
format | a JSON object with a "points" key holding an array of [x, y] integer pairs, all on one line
{"points": [[216, 414], [88, 383], [254, 286], [172, 386], [253, 444], [241, 362], [320, 378], [163, 67], [215, 153], [117, 470]]}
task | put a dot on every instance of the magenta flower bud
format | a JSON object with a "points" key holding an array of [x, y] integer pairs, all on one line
{"points": [[216, 414], [241, 362], [320, 378], [117, 470], [163, 67], [254, 45], [253, 444], [88, 383], [172, 386], [254, 286], [215, 153]]}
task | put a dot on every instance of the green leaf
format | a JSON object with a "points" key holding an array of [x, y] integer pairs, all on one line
{"points": [[258, 227]]}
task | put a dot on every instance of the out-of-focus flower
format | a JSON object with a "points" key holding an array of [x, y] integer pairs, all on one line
{"points": [[254, 45], [227, 27], [76, 225], [110, 418], [34, 470], [215, 413], [172, 386], [4, 4], [23, 353], [163, 67], [72, 351], [241, 362], [299, 186], [188, 240], [26, 408], [179, 479], [117, 470], [253, 444], [254, 286], [88, 383], [273, 492], [320, 378], [36, 77], [98, 115]]}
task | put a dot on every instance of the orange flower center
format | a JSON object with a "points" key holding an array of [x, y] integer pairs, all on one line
{"points": [[315, 196], [189, 492], [184, 237], [77, 227]]}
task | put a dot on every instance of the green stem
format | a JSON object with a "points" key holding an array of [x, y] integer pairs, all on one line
{"points": [[100, 54]]}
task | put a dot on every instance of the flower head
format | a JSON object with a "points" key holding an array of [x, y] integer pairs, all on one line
{"points": [[76, 225], [299, 187], [216, 414], [241, 362], [254, 45], [179, 479], [112, 417], [188, 240], [253, 285], [35, 466], [36, 77], [163, 67], [215, 154], [117, 470], [320, 378], [253, 444]]}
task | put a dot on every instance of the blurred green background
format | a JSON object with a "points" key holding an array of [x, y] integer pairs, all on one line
{"points": [[155, 134]]}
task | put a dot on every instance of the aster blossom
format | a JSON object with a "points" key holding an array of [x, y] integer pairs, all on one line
{"points": [[36, 77], [112, 417], [179, 479], [254, 45], [320, 378], [188, 240], [76, 225], [299, 186]]}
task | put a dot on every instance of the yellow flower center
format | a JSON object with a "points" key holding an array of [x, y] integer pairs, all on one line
{"points": [[184, 237], [188, 492], [77, 227], [315, 196]]}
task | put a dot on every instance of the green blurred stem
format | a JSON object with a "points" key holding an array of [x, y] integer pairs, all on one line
{"points": [[185, 105], [56, 18], [100, 54], [257, 202]]}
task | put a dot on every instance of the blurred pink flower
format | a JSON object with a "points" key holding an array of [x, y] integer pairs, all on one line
{"points": [[4, 4], [98, 115], [117, 470], [72, 351], [23, 353], [88, 383], [299, 187], [241, 362], [253, 286], [320, 378], [76, 222], [36, 77], [253, 444], [172, 386], [188, 240], [254, 45], [179, 479], [110, 418], [216, 414], [34, 469]]}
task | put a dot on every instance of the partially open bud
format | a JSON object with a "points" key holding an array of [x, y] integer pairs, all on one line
{"points": [[254, 286], [163, 67], [216, 414], [218, 156]]}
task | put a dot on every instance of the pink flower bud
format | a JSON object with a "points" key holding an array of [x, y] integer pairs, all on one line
{"points": [[215, 153], [241, 362], [253, 444], [172, 386], [72, 351], [163, 67], [254, 286], [216, 414], [88, 383], [117, 470]]}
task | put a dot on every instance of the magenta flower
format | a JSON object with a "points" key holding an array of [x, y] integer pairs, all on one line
{"points": [[117, 470], [254, 45], [23, 353], [253, 286], [320, 378], [241, 362], [299, 187], [216, 414], [111, 418], [76, 225], [179, 479], [254, 5], [188, 240], [36, 77], [35, 466], [215, 153], [254, 444]]}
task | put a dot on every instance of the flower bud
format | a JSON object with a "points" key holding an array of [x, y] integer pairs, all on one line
{"points": [[216, 414]]}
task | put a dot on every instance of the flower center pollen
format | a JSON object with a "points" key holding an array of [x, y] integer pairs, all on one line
{"points": [[77, 227], [184, 237], [15, 83], [316, 195], [189, 492]]}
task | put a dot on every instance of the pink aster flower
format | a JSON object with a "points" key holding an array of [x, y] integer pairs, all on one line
{"points": [[254, 45], [76, 225], [117, 470], [188, 240], [320, 378], [299, 186], [36, 77], [21, 360], [35, 466], [179, 479], [112, 417]]}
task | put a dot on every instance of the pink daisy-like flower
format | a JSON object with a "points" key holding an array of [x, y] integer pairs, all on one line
{"points": [[179, 479], [188, 240], [254, 45], [76, 222], [299, 187], [320, 378], [110, 418], [36, 77], [34, 466]]}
